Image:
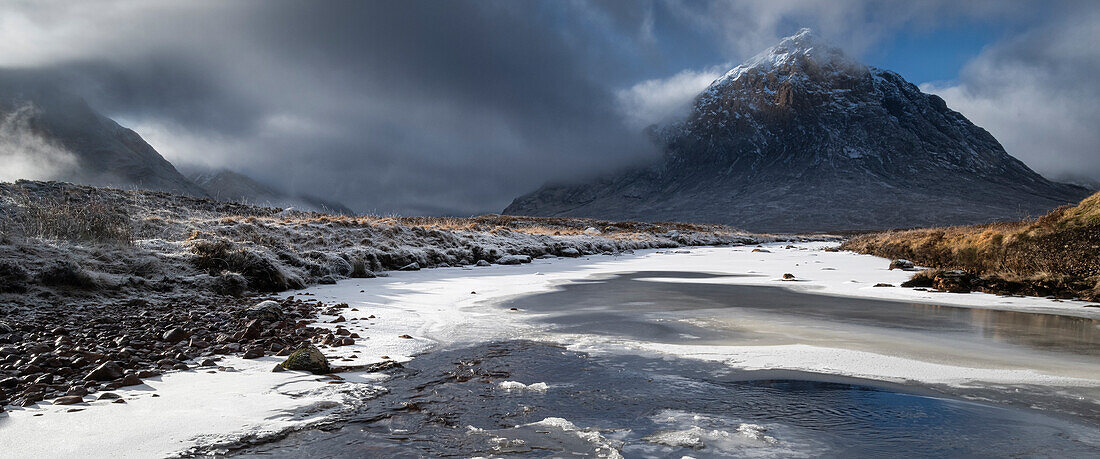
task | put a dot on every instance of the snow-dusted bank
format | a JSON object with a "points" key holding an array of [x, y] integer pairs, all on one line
{"points": [[408, 313]]}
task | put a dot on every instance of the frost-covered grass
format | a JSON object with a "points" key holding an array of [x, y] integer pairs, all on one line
{"points": [[1057, 254], [124, 243]]}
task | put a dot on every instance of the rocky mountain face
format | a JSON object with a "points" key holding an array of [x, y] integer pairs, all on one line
{"points": [[226, 185], [803, 138], [43, 127]]}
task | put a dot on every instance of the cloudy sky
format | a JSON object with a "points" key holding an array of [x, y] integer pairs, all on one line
{"points": [[453, 107]]}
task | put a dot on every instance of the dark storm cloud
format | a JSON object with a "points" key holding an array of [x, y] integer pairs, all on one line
{"points": [[450, 107]]}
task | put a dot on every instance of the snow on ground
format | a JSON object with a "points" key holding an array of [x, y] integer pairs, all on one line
{"points": [[407, 313], [179, 411]]}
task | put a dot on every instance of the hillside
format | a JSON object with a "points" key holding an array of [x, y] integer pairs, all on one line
{"points": [[803, 138], [53, 133], [1055, 255]]}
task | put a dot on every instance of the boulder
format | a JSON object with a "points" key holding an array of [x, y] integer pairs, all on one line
{"points": [[307, 358]]}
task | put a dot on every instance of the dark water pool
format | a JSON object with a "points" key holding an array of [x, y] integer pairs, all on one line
{"points": [[451, 404]]}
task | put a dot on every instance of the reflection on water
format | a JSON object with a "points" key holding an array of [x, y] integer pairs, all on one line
{"points": [[628, 293], [451, 403]]}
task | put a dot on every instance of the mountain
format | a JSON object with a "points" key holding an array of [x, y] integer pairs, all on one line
{"points": [[46, 132], [226, 185], [803, 138]]}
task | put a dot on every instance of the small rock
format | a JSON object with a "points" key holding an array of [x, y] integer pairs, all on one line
{"points": [[109, 396], [882, 284], [570, 252], [788, 276], [901, 263], [254, 352], [267, 310], [414, 266], [762, 250], [513, 259], [174, 335], [327, 280], [68, 400], [108, 371], [483, 263], [130, 380], [405, 337]]}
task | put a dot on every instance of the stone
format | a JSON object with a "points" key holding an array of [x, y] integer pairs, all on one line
{"points": [[174, 335], [883, 284], [414, 266], [253, 352], [107, 371], [901, 263], [307, 358], [130, 380], [788, 276], [762, 250], [268, 310], [570, 252], [513, 259], [68, 400], [109, 396], [483, 263]]}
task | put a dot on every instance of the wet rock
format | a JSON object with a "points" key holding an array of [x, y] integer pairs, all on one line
{"points": [[307, 358], [108, 371]]}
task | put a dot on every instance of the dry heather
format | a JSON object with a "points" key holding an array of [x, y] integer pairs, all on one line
{"points": [[60, 241], [1057, 254]]}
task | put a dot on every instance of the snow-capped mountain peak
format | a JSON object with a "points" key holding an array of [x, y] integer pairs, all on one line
{"points": [[792, 55], [802, 137]]}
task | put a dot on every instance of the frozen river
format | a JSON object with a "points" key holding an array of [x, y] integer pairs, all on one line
{"points": [[706, 352]]}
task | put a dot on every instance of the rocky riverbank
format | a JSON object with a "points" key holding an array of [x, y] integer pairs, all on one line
{"points": [[101, 288], [82, 353]]}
